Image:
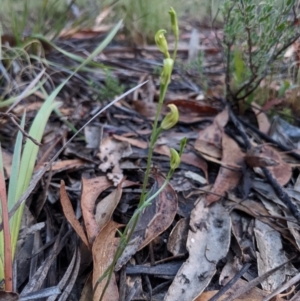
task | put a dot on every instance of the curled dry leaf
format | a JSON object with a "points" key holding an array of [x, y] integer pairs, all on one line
{"points": [[70, 215], [104, 249], [154, 220], [230, 172], [208, 242], [110, 153], [91, 189], [209, 140], [280, 170], [262, 119]]}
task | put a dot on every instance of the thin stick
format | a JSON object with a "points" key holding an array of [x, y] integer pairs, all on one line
{"points": [[13, 118]]}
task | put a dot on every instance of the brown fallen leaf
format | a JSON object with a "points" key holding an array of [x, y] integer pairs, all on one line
{"points": [[70, 215], [103, 250], [229, 176], [282, 172], [132, 141], [192, 111], [209, 140], [67, 165], [146, 109], [106, 207], [165, 211], [91, 189], [154, 220], [255, 157]]}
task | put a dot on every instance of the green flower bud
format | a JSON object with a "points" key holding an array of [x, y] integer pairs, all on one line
{"points": [[161, 42], [167, 71], [171, 118], [174, 23], [175, 159], [183, 143]]}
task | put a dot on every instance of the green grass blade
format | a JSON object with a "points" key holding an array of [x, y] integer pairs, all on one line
{"points": [[78, 58], [15, 167]]}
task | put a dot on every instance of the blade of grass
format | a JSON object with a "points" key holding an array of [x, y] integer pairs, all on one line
{"points": [[72, 56]]}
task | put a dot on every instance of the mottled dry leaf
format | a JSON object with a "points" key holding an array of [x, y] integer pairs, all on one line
{"points": [[254, 294], [262, 119], [258, 211], [209, 140], [208, 242], [242, 229], [110, 153], [70, 215], [270, 255], [106, 207], [103, 251], [229, 176], [282, 171], [91, 189], [154, 220], [177, 238]]}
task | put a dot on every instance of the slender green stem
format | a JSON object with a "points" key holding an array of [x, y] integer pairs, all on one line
{"points": [[162, 94], [130, 229], [144, 202]]}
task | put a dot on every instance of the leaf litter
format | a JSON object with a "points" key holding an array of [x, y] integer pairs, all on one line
{"points": [[219, 213]]}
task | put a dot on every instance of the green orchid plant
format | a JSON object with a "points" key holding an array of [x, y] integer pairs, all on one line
{"points": [[169, 121]]}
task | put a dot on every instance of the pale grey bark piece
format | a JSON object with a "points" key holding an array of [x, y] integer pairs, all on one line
{"points": [[208, 242]]}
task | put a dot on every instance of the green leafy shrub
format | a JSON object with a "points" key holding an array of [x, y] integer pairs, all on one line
{"points": [[256, 34]]}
